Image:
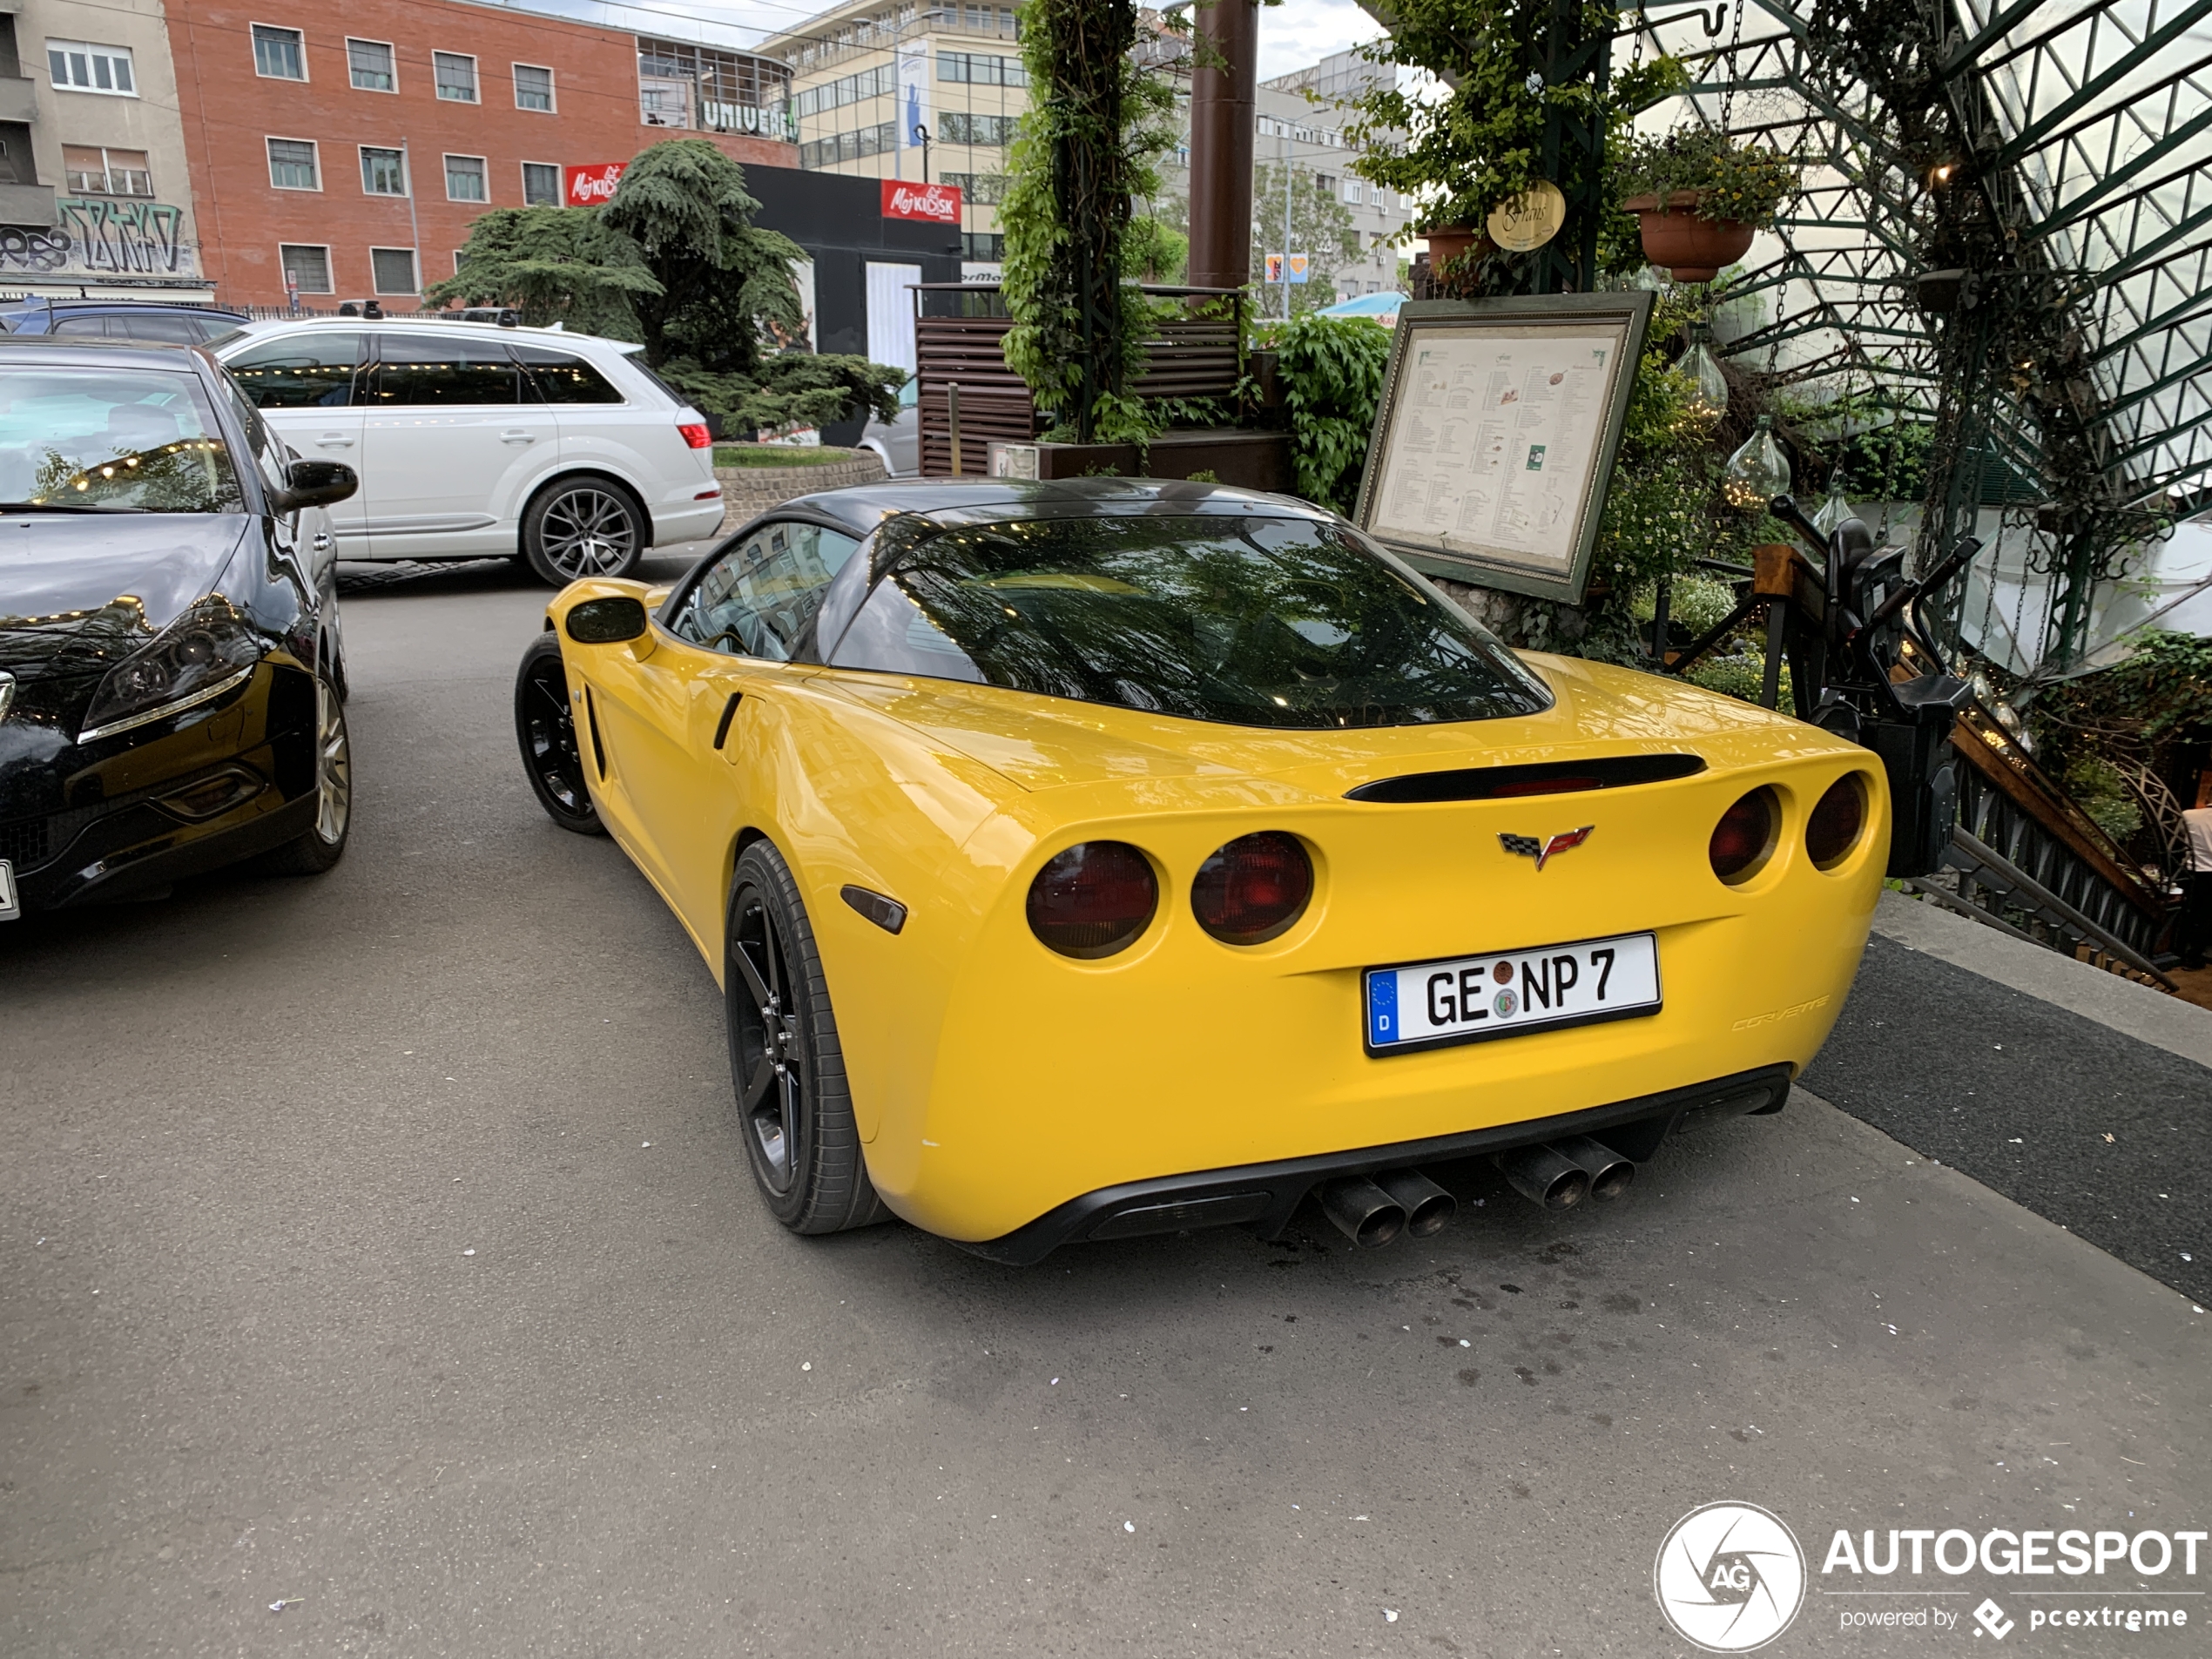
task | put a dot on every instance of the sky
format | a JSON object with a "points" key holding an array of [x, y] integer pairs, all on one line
{"points": [[1293, 35]]}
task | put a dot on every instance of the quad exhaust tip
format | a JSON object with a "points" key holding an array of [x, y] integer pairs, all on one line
{"points": [[1427, 1206], [1363, 1212], [1560, 1174]]}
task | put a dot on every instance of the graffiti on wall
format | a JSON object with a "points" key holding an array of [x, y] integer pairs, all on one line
{"points": [[99, 238]]}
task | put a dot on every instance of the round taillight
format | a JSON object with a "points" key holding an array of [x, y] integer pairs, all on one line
{"points": [[1094, 899], [1251, 890], [1832, 830], [1744, 836]]}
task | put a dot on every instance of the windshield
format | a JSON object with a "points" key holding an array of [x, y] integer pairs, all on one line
{"points": [[114, 439], [1248, 622]]}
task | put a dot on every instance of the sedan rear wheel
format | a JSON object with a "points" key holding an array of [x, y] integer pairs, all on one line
{"points": [[793, 1106], [582, 527], [545, 727]]}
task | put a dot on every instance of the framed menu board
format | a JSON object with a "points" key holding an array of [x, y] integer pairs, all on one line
{"points": [[1494, 447]]}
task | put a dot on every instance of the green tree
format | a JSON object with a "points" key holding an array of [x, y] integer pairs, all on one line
{"points": [[1086, 147], [1480, 142], [1331, 370], [1320, 228], [1153, 251], [675, 261]]}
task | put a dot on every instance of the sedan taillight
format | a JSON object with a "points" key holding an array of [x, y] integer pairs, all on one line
{"points": [[1094, 899], [694, 433], [1251, 890]]}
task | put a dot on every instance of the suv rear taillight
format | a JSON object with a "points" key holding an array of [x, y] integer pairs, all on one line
{"points": [[694, 433]]}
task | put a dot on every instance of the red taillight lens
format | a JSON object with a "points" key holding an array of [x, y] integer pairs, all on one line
{"points": [[1251, 890], [1744, 836], [695, 434], [1832, 830], [1094, 899]]}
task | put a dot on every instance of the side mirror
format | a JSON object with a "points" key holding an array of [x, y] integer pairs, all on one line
{"points": [[316, 483], [605, 622]]}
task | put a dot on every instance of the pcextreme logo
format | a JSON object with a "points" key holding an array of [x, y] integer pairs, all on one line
{"points": [[1730, 1577]]}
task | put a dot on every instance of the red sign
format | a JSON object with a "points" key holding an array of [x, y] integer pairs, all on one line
{"points": [[938, 203], [592, 185]]}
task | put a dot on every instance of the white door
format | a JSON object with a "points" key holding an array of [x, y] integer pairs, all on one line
{"points": [[891, 313], [454, 440], [306, 386]]}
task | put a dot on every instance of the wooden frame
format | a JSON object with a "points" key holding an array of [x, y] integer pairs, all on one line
{"points": [[1460, 488]]}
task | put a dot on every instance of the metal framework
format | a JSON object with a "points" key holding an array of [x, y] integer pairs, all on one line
{"points": [[2006, 231]]}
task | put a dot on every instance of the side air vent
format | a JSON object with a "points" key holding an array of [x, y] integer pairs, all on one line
{"points": [[1545, 778]]}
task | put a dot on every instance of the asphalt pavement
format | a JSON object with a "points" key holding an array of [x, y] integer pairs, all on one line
{"points": [[380, 1274]]}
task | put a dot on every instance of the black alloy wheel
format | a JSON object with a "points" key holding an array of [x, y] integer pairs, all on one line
{"points": [[786, 1064], [545, 726], [321, 847], [582, 527]]}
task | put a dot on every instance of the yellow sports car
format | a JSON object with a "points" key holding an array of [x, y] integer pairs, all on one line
{"points": [[1109, 857]]}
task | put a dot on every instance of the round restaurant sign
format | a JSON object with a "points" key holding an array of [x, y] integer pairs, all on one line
{"points": [[1530, 220]]}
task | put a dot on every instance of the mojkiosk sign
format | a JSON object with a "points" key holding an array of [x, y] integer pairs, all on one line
{"points": [[592, 184], [939, 204]]}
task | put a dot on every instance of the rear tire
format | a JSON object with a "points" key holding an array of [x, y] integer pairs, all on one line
{"points": [[545, 726], [584, 526], [795, 1106], [325, 843]]}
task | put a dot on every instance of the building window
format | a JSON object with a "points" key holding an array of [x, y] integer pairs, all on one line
{"points": [[978, 189], [306, 269], [1354, 191], [955, 126], [533, 88], [456, 77], [541, 184], [279, 54], [80, 66], [979, 68], [383, 171], [850, 146], [370, 64], [985, 248], [95, 172], [465, 179], [292, 165], [664, 103], [393, 269]]}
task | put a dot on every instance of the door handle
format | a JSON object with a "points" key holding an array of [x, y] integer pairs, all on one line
{"points": [[518, 437], [333, 441], [321, 544]]}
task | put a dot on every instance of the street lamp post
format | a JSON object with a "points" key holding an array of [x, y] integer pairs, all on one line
{"points": [[921, 137]]}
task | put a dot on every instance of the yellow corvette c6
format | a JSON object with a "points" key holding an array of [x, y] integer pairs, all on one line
{"points": [[1093, 859]]}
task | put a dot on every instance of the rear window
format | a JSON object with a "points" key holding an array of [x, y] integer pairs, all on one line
{"points": [[1251, 622]]}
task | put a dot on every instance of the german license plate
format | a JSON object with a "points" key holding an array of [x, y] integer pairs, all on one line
{"points": [[10, 908], [1472, 999]]}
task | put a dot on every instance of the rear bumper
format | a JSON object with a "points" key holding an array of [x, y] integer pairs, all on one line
{"points": [[1263, 1195], [687, 520]]}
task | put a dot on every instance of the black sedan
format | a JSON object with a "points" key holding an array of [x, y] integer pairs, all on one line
{"points": [[170, 671]]}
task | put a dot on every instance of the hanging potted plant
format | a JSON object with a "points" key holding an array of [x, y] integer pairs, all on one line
{"points": [[1700, 197]]}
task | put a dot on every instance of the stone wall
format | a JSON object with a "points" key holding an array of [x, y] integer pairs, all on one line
{"points": [[749, 491]]}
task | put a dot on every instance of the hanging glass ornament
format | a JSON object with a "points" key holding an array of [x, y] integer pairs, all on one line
{"points": [[1834, 511], [1649, 280], [1759, 471], [1704, 369]]}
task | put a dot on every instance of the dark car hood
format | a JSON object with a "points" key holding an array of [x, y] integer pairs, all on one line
{"points": [[80, 591]]}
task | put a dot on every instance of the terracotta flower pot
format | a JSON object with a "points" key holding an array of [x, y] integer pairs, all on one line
{"points": [[1695, 249], [1448, 242]]}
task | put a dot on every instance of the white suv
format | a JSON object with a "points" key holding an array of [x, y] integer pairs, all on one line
{"points": [[473, 440]]}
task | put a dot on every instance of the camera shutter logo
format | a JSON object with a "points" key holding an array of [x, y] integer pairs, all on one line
{"points": [[1730, 1577]]}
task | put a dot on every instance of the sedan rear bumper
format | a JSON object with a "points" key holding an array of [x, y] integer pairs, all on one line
{"points": [[1263, 1195]]}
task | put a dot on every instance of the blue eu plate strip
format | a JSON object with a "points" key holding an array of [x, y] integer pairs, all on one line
{"points": [[1382, 1009]]}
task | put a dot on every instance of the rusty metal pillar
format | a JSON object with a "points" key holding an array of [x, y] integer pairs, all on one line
{"points": [[1224, 84]]}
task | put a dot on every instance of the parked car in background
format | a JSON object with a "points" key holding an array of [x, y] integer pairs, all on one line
{"points": [[475, 441], [120, 320], [897, 442], [172, 674]]}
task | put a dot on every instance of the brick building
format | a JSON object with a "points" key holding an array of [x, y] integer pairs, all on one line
{"points": [[345, 150]]}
